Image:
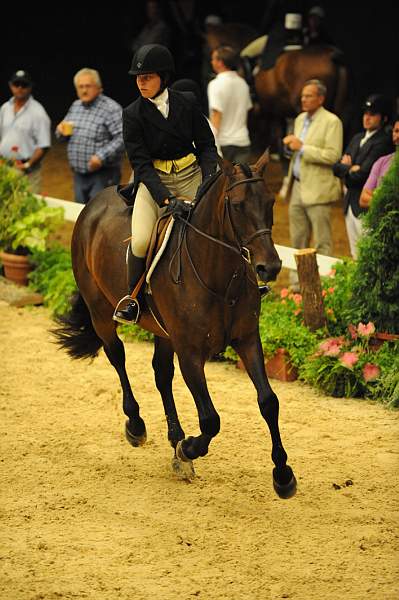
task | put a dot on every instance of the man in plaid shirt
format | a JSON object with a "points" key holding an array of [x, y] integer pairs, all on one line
{"points": [[93, 128]]}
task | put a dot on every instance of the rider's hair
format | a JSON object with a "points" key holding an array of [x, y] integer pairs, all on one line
{"points": [[86, 71], [229, 56], [321, 87]]}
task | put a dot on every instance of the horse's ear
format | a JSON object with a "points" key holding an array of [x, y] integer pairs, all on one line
{"points": [[262, 162], [227, 167]]}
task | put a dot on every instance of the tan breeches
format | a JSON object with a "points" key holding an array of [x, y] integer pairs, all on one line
{"points": [[146, 211]]}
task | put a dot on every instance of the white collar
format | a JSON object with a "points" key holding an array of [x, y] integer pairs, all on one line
{"points": [[162, 102]]}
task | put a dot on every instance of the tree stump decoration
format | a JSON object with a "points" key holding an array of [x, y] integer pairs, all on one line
{"points": [[310, 288]]}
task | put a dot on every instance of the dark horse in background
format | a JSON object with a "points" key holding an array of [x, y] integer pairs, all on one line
{"points": [[205, 292], [278, 90]]}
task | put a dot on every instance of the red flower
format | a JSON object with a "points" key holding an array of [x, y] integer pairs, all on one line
{"points": [[371, 372]]}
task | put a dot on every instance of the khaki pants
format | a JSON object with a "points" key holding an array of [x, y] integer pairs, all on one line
{"points": [[146, 211], [305, 220]]}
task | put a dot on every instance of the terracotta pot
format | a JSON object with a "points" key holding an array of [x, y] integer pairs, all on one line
{"points": [[16, 267], [280, 367], [379, 338]]}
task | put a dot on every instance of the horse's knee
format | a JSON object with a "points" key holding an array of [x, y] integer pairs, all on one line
{"points": [[210, 425]]}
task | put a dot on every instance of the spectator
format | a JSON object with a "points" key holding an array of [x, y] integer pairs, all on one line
{"points": [[171, 149], [24, 129], [379, 168], [312, 187], [355, 165], [93, 128], [229, 102], [156, 30]]}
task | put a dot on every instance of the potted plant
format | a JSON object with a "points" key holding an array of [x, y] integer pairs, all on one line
{"points": [[25, 223]]}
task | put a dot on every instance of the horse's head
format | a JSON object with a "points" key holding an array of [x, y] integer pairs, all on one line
{"points": [[250, 208]]}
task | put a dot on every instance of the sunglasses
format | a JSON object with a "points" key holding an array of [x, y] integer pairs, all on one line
{"points": [[21, 84]]}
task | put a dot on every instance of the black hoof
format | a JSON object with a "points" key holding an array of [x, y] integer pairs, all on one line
{"points": [[285, 489], [135, 440]]}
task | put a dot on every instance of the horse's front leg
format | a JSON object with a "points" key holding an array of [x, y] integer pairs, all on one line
{"points": [[162, 363], [192, 369], [250, 351]]}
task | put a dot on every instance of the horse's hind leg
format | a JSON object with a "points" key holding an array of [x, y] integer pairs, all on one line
{"points": [[162, 363], [101, 315], [250, 351]]}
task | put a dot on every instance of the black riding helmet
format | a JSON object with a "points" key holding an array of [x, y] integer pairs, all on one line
{"points": [[152, 58], [377, 104]]}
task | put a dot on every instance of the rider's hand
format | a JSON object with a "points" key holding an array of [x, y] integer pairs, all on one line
{"points": [[178, 207]]}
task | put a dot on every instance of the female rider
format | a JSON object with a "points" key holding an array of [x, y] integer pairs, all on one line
{"points": [[171, 149]]}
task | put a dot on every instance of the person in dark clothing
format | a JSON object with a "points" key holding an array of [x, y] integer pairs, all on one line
{"points": [[171, 149], [359, 156]]}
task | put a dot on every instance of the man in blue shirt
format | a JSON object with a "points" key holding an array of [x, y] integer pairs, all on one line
{"points": [[93, 128], [24, 129]]}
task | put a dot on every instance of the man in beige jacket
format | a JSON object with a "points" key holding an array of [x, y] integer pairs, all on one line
{"points": [[312, 186]]}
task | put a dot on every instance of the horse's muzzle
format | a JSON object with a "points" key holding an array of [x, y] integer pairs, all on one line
{"points": [[268, 272]]}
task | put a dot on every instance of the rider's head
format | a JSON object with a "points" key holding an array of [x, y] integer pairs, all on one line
{"points": [[376, 111], [153, 59]]}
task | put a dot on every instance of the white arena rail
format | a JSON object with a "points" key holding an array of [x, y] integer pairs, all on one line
{"points": [[287, 255]]}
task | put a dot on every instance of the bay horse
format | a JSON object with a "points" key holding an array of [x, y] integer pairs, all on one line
{"points": [[206, 296], [278, 90]]}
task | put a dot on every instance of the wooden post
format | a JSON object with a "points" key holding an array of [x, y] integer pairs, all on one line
{"points": [[310, 287]]}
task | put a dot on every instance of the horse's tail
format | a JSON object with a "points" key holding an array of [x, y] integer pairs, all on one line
{"points": [[75, 332]]}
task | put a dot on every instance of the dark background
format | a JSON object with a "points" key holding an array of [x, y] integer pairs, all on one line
{"points": [[53, 45]]}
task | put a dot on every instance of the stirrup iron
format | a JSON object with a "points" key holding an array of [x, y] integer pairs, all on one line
{"points": [[133, 301]]}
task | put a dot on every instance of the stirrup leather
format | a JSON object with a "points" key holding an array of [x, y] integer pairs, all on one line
{"points": [[133, 301]]}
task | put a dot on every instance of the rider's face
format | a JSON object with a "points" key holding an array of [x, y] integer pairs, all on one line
{"points": [[311, 99], [149, 84], [372, 121]]}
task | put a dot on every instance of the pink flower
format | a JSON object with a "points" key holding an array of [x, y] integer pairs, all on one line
{"points": [[297, 299], [324, 293], [352, 331], [366, 330], [371, 372], [284, 293], [332, 273], [348, 359], [331, 347], [331, 290], [297, 312]]}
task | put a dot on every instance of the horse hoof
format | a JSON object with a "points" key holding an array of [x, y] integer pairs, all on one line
{"points": [[181, 465], [135, 440], [285, 490], [184, 469]]}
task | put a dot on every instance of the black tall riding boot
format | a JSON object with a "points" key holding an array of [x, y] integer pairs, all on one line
{"points": [[135, 269]]}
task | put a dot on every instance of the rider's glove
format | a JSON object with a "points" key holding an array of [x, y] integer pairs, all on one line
{"points": [[178, 207]]}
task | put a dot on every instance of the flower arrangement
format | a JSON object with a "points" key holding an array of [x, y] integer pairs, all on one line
{"points": [[347, 365]]}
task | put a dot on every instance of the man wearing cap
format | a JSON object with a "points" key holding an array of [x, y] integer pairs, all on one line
{"points": [[93, 129], [24, 129], [355, 165]]}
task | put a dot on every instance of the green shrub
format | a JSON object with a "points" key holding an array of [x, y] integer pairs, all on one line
{"points": [[375, 284]]}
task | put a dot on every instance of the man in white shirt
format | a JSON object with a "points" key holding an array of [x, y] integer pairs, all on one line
{"points": [[229, 102], [24, 129]]}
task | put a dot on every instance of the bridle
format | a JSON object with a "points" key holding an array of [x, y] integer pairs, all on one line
{"points": [[241, 245], [239, 248]]}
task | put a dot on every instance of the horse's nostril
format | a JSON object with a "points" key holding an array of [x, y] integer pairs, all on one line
{"points": [[268, 272]]}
